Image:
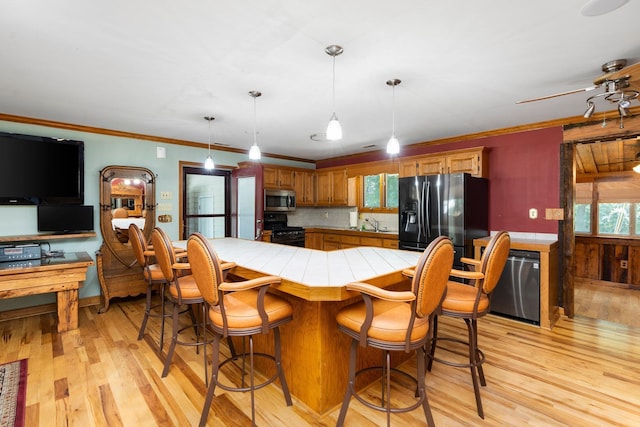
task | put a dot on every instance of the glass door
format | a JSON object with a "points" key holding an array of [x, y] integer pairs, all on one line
{"points": [[206, 203], [247, 205]]}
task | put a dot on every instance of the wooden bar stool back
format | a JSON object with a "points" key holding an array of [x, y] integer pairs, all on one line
{"points": [[397, 321], [155, 279], [238, 309], [182, 290]]}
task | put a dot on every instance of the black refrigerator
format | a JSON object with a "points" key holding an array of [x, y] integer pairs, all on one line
{"points": [[454, 205]]}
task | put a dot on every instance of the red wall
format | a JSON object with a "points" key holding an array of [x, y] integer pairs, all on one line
{"points": [[524, 173]]}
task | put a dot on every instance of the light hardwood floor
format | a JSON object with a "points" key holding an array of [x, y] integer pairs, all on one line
{"points": [[582, 373], [600, 301]]}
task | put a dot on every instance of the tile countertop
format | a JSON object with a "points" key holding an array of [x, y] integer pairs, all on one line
{"points": [[312, 274], [524, 243]]}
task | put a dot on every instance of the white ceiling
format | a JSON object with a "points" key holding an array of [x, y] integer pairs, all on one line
{"points": [[157, 67]]}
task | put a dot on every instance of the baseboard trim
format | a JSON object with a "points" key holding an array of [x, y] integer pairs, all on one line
{"points": [[37, 310]]}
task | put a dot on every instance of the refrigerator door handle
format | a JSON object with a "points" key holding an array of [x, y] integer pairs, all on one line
{"points": [[419, 213], [427, 203]]}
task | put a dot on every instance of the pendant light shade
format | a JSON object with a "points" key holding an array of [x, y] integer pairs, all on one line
{"points": [[254, 151], [334, 130], [393, 146], [208, 163]]}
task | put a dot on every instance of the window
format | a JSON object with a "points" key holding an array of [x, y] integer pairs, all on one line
{"points": [[582, 208], [380, 191], [613, 218], [613, 206], [372, 191]]}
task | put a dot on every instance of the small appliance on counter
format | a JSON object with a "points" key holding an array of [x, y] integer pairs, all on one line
{"points": [[280, 232]]}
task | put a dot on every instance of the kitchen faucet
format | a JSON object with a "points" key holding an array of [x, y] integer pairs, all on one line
{"points": [[374, 222]]}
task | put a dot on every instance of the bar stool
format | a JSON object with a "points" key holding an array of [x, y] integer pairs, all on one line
{"points": [[239, 309], [470, 302], [182, 290], [397, 321], [155, 278]]}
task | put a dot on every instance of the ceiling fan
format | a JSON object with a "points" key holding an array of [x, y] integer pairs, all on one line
{"points": [[621, 86]]}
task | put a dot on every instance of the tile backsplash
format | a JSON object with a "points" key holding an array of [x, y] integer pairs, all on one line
{"points": [[339, 217]]}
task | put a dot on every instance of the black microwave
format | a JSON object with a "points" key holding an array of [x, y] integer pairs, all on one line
{"points": [[279, 200]]}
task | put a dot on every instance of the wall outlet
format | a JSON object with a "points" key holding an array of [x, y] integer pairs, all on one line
{"points": [[166, 195], [533, 213], [164, 207], [326, 214], [623, 263]]}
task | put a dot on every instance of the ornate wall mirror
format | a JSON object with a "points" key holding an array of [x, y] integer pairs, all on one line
{"points": [[127, 196]]}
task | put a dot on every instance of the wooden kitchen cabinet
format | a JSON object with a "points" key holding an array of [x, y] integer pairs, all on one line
{"points": [[334, 239], [467, 161], [472, 160], [332, 188], [278, 177], [313, 240], [303, 184]]}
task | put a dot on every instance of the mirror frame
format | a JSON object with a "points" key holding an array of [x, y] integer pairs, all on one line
{"points": [[110, 239]]}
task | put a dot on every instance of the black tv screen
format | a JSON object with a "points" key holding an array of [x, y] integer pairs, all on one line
{"points": [[36, 169], [65, 218]]}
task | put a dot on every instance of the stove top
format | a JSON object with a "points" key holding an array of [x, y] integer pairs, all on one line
{"points": [[285, 228], [277, 222]]}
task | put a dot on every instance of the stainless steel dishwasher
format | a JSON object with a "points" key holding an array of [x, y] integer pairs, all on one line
{"points": [[518, 292]]}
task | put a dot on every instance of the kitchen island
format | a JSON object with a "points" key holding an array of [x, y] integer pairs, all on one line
{"points": [[315, 354]]}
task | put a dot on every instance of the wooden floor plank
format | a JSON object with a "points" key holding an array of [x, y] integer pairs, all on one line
{"points": [[583, 372]]}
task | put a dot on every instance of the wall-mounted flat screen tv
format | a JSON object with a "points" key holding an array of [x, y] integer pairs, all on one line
{"points": [[36, 169], [65, 218]]}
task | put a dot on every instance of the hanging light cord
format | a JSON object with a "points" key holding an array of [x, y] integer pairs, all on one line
{"points": [[255, 141], [334, 84], [209, 120], [393, 110]]}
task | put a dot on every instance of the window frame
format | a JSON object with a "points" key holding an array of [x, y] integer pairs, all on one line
{"points": [[596, 204], [382, 189]]}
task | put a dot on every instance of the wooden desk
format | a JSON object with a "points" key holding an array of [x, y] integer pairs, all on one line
{"points": [[315, 354], [62, 275]]}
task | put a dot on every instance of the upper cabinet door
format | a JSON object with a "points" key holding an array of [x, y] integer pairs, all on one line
{"points": [[276, 177], [431, 165]]}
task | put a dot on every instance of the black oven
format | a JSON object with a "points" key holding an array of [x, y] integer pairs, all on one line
{"points": [[280, 232], [292, 236]]}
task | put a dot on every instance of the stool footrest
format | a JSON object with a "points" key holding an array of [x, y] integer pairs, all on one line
{"points": [[479, 354], [243, 388], [383, 408]]}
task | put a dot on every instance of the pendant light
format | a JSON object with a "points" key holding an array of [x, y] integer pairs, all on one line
{"points": [[254, 151], [334, 130], [393, 146], [208, 163]]}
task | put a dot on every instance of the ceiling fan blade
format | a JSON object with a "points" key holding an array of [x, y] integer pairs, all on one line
{"points": [[569, 92], [633, 71]]}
